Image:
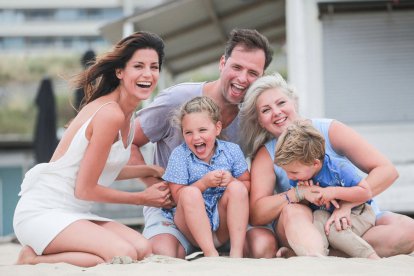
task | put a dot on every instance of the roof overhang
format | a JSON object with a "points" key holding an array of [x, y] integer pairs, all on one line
{"points": [[195, 31]]}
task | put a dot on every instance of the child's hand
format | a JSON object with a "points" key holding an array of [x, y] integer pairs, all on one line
{"points": [[327, 197], [226, 178], [305, 182], [213, 179]]}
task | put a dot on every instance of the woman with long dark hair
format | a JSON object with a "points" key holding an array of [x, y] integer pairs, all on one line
{"points": [[52, 219]]}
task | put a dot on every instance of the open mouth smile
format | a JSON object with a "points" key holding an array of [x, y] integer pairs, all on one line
{"points": [[144, 84]]}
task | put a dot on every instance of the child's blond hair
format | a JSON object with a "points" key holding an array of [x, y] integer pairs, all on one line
{"points": [[196, 105], [299, 142]]}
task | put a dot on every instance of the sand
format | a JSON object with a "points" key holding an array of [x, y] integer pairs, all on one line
{"points": [[160, 265]]}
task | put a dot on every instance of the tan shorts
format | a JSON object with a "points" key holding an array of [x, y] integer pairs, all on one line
{"points": [[349, 240]]}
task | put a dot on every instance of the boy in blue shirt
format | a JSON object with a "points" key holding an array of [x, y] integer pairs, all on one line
{"points": [[300, 151]]}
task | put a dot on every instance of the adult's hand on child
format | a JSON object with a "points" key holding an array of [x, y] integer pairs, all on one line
{"points": [[312, 194], [158, 195], [341, 217]]}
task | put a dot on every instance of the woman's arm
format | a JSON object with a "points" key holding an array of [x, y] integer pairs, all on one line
{"points": [[141, 171], [136, 155], [102, 132], [346, 141], [264, 205]]}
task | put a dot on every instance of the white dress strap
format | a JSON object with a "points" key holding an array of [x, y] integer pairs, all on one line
{"points": [[96, 111]]}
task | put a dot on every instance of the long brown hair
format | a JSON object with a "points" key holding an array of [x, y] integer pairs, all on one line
{"points": [[100, 78]]}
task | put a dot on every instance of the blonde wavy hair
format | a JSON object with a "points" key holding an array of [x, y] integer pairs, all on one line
{"points": [[253, 136]]}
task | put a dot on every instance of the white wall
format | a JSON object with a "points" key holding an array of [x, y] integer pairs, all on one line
{"points": [[303, 36]]}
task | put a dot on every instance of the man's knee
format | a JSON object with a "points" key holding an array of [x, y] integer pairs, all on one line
{"points": [[167, 245]]}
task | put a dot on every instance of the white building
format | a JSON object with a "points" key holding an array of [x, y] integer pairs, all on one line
{"points": [[30, 26]]}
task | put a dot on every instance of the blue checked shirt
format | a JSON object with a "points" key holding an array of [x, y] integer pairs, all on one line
{"points": [[185, 168]]}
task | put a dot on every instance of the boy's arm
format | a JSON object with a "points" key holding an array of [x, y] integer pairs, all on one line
{"points": [[359, 193]]}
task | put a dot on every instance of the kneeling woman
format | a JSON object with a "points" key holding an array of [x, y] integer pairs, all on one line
{"points": [[52, 218]]}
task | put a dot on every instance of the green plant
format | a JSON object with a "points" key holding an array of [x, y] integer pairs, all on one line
{"points": [[24, 69], [17, 120]]}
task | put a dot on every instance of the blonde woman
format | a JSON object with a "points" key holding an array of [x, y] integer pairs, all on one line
{"points": [[270, 106]]}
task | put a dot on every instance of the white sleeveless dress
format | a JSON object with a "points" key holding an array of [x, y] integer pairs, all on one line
{"points": [[48, 204]]}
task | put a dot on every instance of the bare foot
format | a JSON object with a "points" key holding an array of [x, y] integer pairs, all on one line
{"points": [[374, 256], [285, 252], [235, 255], [26, 256], [212, 253]]}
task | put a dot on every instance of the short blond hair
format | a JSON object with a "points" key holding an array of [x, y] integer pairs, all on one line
{"points": [[299, 142], [197, 105]]}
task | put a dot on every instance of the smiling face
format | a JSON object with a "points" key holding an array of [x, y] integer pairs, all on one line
{"points": [[299, 171], [140, 75], [237, 72], [276, 111], [200, 134]]}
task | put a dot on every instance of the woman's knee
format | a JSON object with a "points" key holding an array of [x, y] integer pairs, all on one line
{"points": [[120, 248], [400, 233], [292, 213], [98, 260], [143, 248], [392, 234]]}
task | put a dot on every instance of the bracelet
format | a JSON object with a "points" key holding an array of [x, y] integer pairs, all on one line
{"points": [[287, 198], [299, 196]]}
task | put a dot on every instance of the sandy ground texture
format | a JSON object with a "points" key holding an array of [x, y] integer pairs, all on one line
{"points": [[159, 265]]}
